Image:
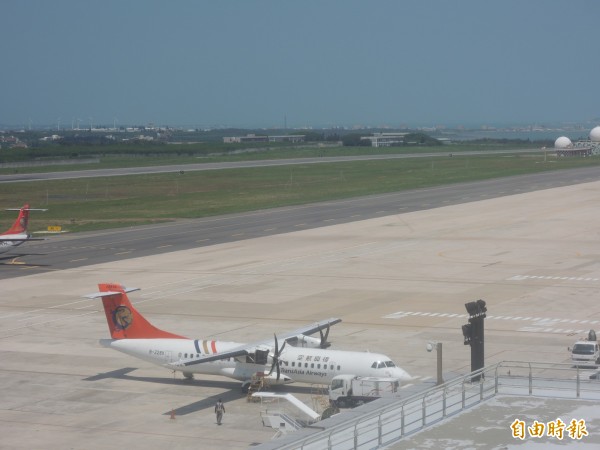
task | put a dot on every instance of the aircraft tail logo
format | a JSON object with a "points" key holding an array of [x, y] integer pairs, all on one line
{"points": [[124, 321]]}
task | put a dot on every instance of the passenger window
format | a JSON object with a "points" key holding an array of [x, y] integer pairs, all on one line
{"points": [[338, 368], [293, 364], [312, 365], [318, 366]]}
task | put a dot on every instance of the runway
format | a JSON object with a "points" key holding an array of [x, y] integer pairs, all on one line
{"points": [[202, 166], [61, 252], [398, 281]]}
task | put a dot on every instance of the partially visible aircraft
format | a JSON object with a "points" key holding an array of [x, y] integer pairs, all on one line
{"points": [[300, 358], [17, 233]]}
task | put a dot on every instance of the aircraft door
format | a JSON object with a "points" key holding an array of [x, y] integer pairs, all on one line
{"points": [[331, 367]]}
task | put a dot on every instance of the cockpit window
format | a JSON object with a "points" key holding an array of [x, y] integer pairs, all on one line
{"points": [[390, 364], [374, 365], [378, 365]]}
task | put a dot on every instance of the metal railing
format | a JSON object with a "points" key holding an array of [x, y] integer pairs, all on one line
{"points": [[392, 422]]}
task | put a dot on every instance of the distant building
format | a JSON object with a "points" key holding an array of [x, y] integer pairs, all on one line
{"points": [[575, 151], [385, 139], [564, 147], [287, 138], [54, 137], [13, 142], [254, 138], [247, 138]]}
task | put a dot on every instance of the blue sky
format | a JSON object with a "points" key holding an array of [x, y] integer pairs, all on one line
{"points": [[315, 62]]}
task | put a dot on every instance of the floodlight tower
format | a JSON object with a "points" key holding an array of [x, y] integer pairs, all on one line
{"points": [[473, 333]]}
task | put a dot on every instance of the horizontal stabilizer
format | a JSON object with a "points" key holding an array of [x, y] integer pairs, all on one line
{"points": [[109, 293], [25, 209]]}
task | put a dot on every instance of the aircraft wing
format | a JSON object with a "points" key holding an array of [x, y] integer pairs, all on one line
{"points": [[311, 329], [250, 348], [233, 353]]}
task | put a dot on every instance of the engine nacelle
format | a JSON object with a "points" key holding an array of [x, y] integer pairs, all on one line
{"points": [[304, 341]]}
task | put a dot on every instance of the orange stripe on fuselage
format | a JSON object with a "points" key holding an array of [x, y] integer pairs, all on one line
{"points": [[213, 346]]}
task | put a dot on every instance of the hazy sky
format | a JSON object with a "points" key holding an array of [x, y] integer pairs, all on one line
{"points": [[317, 62]]}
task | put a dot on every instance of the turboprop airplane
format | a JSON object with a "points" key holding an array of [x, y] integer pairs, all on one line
{"points": [[17, 233], [301, 358]]}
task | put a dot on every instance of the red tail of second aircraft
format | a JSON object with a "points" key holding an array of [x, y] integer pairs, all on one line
{"points": [[20, 225], [124, 321]]}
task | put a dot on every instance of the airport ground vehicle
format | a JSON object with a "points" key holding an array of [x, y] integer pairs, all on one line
{"points": [[350, 390], [586, 351]]}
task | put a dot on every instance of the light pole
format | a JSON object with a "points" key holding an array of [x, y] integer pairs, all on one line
{"points": [[473, 333], [438, 348]]}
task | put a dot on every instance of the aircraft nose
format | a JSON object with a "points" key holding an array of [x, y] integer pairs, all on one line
{"points": [[401, 374]]}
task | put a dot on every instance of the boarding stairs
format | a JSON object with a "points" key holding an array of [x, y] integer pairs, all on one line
{"points": [[281, 421]]}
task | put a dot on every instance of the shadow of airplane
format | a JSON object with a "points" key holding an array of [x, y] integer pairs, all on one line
{"points": [[231, 389], [11, 260]]}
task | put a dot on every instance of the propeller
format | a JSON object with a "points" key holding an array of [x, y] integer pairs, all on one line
{"points": [[276, 354], [324, 343]]}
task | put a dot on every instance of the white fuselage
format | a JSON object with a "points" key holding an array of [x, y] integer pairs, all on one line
{"points": [[297, 364], [6, 245]]}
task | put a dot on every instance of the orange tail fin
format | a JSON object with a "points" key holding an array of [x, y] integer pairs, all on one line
{"points": [[124, 321], [20, 225]]}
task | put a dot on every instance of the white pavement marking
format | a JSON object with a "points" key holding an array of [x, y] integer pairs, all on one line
{"points": [[540, 324], [549, 277]]}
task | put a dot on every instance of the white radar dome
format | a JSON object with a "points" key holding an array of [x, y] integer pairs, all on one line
{"points": [[595, 135], [563, 142]]}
